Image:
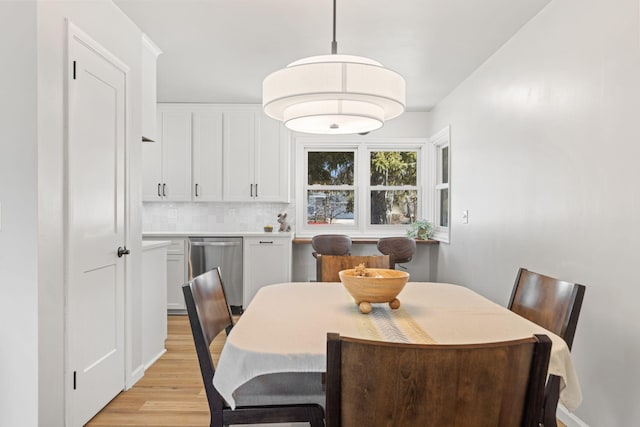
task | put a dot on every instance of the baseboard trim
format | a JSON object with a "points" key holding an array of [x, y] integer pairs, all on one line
{"points": [[154, 359], [569, 419], [136, 376]]}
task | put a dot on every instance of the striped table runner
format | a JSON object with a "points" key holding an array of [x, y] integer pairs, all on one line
{"points": [[385, 324]]}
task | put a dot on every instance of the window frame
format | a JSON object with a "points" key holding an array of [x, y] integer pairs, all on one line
{"points": [[420, 165], [362, 197], [323, 187], [440, 141]]}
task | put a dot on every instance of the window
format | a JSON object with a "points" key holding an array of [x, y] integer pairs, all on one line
{"points": [[371, 188], [393, 187], [441, 168], [330, 188]]}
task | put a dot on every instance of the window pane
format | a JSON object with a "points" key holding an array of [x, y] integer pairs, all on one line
{"points": [[393, 168], [444, 164], [393, 207], [444, 207], [330, 207], [330, 167]]}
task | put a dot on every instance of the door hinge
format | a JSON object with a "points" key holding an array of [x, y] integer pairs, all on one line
{"points": [[74, 70], [74, 380]]}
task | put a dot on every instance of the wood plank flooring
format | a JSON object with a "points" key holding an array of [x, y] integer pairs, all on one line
{"points": [[171, 393]]}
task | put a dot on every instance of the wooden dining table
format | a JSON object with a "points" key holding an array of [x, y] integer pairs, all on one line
{"points": [[284, 330]]}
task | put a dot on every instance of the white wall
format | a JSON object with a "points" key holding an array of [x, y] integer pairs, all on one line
{"points": [[545, 147], [104, 22], [18, 226]]}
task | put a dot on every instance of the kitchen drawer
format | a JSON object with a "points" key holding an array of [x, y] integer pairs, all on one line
{"points": [[178, 246]]}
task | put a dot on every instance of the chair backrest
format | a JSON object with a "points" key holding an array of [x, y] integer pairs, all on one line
{"points": [[372, 383], [328, 266], [551, 303], [209, 314], [401, 249], [331, 244]]}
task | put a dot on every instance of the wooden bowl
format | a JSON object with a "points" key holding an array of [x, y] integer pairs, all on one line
{"points": [[382, 285]]}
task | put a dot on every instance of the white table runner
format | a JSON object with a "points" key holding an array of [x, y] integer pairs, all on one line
{"points": [[284, 330]]}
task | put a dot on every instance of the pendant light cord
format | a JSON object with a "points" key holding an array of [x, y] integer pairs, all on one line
{"points": [[334, 43]]}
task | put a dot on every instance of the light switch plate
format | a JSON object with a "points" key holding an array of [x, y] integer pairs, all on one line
{"points": [[465, 216]]}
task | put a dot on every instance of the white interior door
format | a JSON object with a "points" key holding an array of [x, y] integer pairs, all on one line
{"points": [[95, 227]]}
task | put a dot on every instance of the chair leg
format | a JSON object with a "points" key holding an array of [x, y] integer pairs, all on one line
{"points": [[551, 397]]}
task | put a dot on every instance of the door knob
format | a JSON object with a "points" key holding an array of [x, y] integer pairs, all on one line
{"points": [[123, 251]]}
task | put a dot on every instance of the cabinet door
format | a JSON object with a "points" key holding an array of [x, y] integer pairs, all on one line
{"points": [[176, 155], [207, 156], [239, 139], [272, 167], [152, 170], [154, 304], [150, 54], [267, 260], [176, 277]]}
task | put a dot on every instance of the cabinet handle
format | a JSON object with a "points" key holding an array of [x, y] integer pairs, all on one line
{"points": [[256, 190], [251, 191], [196, 190], [159, 193], [266, 241], [164, 190]]}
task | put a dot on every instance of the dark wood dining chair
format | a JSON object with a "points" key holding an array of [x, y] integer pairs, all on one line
{"points": [[401, 249], [555, 305], [209, 315], [372, 383], [328, 266], [331, 244]]}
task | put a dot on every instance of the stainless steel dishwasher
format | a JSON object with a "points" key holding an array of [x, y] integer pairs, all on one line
{"points": [[206, 253]]}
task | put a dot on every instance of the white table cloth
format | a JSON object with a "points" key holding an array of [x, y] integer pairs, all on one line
{"points": [[285, 327]]}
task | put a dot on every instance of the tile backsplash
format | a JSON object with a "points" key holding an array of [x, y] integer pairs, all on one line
{"points": [[212, 217]]}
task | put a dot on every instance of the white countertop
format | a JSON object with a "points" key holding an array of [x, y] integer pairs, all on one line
{"points": [[274, 234], [154, 244]]}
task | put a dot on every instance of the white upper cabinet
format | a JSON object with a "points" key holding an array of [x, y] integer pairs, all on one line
{"points": [[150, 54], [239, 142], [258, 149], [207, 156], [272, 165], [167, 162], [235, 154]]}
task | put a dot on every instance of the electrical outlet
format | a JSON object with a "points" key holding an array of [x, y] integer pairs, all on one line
{"points": [[465, 216], [172, 213]]}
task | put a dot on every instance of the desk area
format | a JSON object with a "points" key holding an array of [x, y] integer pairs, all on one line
{"points": [[264, 342], [362, 241], [423, 267]]}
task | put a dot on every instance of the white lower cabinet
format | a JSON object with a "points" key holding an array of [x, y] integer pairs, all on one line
{"points": [[154, 302], [177, 272], [267, 260], [176, 275]]}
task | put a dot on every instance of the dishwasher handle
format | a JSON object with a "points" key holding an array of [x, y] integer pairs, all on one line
{"points": [[215, 244]]}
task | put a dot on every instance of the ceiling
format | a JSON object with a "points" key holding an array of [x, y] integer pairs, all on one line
{"points": [[221, 50]]}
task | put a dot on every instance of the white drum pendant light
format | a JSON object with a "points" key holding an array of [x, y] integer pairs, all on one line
{"points": [[333, 94]]}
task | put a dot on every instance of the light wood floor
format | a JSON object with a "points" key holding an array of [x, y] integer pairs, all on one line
{"points": [[171, 393]]}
